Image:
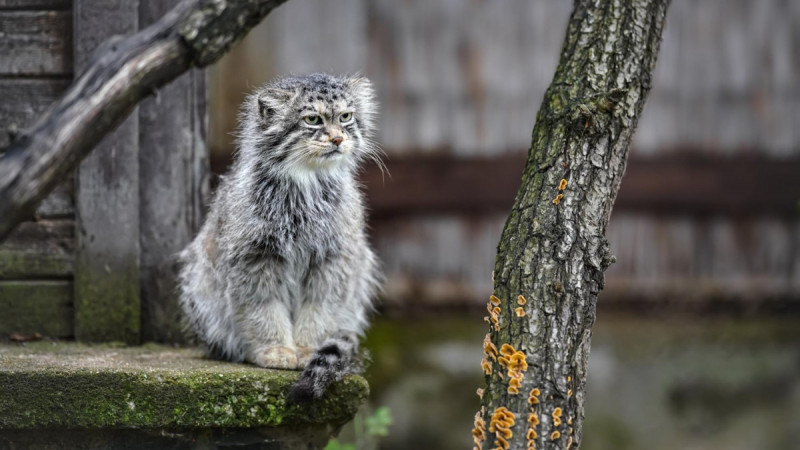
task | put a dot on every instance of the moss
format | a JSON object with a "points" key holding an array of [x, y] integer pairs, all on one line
{"points": [[46, 309], [80, 386], [107, 304], [15, 262]]}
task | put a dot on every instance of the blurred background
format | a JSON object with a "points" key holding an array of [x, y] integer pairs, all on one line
{"points": [[696, 343], [697, 340]]}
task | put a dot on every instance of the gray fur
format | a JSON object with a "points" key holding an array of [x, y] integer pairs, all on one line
{"points": [[282, 268]]}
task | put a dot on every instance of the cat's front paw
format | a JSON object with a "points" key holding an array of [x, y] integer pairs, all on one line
{"points": [[278, 357], [304, 355]]}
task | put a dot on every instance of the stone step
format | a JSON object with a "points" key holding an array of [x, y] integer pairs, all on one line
{"points": [[69, 395]]}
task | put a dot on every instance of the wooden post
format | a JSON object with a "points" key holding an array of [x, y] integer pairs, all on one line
{"points": [[173, 186], [107, 304]]}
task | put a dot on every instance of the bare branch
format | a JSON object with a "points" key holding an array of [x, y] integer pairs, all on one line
{"points": [[122, 72]]}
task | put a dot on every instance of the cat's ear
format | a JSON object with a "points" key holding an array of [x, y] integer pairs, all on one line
{"points": [[359, 84], [270, 100], [361, 89]]}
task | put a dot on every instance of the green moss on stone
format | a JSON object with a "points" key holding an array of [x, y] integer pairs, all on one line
{"points": [[64, 385]]}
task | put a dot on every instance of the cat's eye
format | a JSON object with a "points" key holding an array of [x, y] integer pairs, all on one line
{"points": [[345, 117], [312, 120]]}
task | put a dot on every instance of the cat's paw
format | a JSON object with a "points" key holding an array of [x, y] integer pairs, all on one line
{"points": [[277, 357], [304, 355]]}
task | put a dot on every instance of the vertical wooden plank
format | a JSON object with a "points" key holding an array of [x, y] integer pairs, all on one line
{"points": [[173, 185], [107, 304]]}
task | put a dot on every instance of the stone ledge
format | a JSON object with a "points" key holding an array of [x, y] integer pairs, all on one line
{"points": [[45, 385]]}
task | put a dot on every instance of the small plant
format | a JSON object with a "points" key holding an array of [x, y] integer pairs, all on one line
{"points": [[367, 430], [333, 444]]}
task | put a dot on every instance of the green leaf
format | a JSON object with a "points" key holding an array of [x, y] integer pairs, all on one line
{"points": [[378, 423], [333, 444]]}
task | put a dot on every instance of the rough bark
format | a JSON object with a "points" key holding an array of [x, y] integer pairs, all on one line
{"points": [[122, 72], [553, 250]]}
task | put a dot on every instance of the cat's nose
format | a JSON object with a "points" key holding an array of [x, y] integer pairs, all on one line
{"points": [[337, 140]]}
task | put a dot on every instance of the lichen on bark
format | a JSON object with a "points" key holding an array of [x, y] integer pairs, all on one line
{"points": [[553, 249]]}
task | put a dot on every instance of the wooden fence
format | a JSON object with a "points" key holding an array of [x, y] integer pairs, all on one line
{"points": [[95, 261], [708, 209], [709, 205]]}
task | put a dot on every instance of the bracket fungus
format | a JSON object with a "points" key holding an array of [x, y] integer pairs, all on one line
{"points": [[488, 348], [557, 417], [513, 360], [500, 424], [533, 420], [513, 385], [478, 433], [494, 316], [533, 398], [486, 366], [516, 363]]}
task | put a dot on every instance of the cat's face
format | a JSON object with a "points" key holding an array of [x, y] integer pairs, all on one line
{"points": [[316, 122]]}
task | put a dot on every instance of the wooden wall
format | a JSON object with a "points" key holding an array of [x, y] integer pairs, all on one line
{"points": [[709, 207], [37, 260], [135, 201]]}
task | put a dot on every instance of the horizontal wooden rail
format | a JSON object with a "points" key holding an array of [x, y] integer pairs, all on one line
{"points": [[670, 184]]}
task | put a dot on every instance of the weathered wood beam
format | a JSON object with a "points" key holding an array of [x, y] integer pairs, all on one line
{"points": [[442, 184], [696, 185], [122, 72], [706, 186]]}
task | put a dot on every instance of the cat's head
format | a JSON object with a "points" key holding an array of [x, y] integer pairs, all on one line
{"points": [[311, 123]]}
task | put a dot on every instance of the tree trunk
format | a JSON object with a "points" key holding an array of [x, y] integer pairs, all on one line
{"points": [[553, 250]]}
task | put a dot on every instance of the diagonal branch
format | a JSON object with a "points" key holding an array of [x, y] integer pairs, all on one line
{"points": [[195, 33]]}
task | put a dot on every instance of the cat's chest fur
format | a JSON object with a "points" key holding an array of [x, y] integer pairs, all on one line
{"points": [[293, 224]]}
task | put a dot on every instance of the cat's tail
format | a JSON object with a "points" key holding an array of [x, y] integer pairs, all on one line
{"points": [[338, 356]]}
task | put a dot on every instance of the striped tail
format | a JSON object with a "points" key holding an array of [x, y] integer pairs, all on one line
{"points": [[338, 356]]}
